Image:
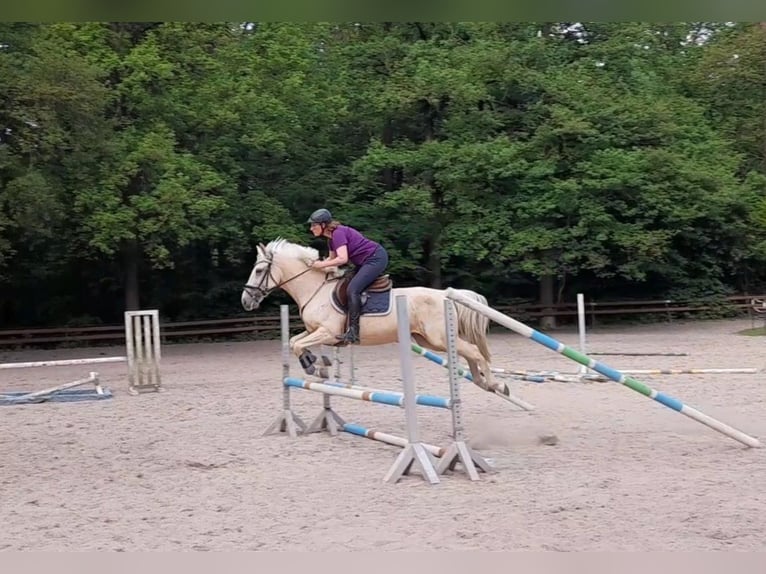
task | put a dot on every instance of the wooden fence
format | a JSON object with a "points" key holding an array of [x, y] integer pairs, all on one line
{"points": [[267, 326]]}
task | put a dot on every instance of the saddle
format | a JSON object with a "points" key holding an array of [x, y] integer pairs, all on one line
{"points": [[381, 284]]}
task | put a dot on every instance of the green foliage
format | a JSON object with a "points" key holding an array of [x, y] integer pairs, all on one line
{"points": [[147, 160]]}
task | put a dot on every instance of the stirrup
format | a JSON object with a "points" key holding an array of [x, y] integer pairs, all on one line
{"points": [[349, 336]]}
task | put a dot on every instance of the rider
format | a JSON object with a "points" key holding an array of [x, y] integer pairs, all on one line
{"points": [[347, 244]]}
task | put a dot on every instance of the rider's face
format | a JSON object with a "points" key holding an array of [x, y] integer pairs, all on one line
{"points": [[316, 229]]}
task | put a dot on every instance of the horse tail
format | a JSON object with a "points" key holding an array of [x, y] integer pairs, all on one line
{"points": [[473, 326]]}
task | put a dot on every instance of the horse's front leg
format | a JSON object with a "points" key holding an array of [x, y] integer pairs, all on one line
{"points": [[301, 349], [297, 337]]}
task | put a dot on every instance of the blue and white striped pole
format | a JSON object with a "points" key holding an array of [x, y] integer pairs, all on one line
{"points": [[607, 371], [362, 394], [465, 373]]}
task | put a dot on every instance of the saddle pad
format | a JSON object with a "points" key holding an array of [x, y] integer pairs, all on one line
{"points": [[376, 304]]}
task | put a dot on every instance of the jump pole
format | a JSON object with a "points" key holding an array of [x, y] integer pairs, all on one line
{"points": [[687, 371], [466, 374], [62, 362], [395, 440], [92, 378], [374, 434], [362, 394], [426, 400], [603, 369], [642, 354]]}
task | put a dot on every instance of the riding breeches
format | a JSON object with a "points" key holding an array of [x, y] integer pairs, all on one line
{"points": [[366, 273]]}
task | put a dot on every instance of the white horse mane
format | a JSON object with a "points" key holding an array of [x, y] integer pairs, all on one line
{"points": [[281, 246]]}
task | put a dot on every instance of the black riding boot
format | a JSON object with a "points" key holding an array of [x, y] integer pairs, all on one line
{"points": [[354, 309]]}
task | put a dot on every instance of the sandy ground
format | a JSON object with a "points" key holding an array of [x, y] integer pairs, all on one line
{"points": [[189, 469]]}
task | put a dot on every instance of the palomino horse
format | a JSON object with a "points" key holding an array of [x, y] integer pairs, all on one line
{"points": [[287, 266]]}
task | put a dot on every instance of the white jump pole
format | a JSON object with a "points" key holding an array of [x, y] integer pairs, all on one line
{"points": [[688, 371], [388, 438], [603, 369], [62, 362], [92, 378]]}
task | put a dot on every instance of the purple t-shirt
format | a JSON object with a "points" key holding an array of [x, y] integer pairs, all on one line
{"points": [[359, 247]]}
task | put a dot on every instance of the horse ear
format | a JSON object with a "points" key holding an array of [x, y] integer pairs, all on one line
{"points": [[261, 250]]}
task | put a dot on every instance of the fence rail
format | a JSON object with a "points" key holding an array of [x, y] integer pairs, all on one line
{"points": [[261, 325]]}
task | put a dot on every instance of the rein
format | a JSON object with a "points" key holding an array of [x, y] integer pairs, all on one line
{"points": [[258, 289]]}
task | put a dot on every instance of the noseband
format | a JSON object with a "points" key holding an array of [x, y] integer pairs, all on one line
{"points": [[254, 290]]}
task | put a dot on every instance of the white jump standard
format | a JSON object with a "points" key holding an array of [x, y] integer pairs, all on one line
{"points": [[142, 345], [603, 369], [415, 452], [458, 451], [288, 421]]}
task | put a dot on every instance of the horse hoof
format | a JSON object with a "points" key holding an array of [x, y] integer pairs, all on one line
{"points": [[324, 373], [504, 390], [307, 359], [326, 361]]}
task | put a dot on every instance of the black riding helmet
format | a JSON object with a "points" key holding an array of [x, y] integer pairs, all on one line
{"points": [[320, 216]]}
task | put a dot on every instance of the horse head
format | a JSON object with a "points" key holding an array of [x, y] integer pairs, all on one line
{"points": [[276, 264]]}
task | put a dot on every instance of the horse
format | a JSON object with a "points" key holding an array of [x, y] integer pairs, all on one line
{"points": [[320, 296]]}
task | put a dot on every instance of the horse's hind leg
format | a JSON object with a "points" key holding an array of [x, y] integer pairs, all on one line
{"points": [[478, 366]]}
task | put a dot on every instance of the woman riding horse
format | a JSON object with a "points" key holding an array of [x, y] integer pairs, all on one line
{"points": [[347, 244]]}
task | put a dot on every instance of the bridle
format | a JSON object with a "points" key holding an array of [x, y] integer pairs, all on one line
{"points": [[259, 289], [253, 290]]}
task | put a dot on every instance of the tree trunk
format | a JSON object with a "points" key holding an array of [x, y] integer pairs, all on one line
{"points": [[546, 298], [437, 198], [131, 259], [434, 262], [388, 171]]}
